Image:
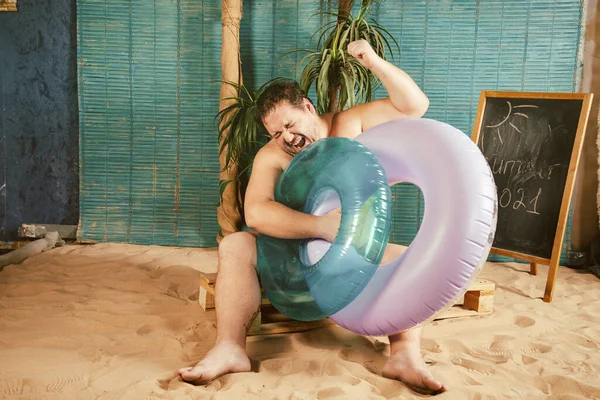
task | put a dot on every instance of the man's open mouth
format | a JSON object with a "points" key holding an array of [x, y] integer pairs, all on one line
{"points": [[299, 142]]}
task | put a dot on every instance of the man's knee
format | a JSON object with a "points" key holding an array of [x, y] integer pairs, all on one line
{"points": [[240, 246]]}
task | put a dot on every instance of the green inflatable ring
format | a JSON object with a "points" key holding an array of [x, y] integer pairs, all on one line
{"points": [[332, 167]]}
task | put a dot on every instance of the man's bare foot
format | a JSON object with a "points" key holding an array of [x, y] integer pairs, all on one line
{"points": [[223, 358], [407, 366]]}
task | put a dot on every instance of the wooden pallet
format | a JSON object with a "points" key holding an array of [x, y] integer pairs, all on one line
{"points": [[478, 300]]}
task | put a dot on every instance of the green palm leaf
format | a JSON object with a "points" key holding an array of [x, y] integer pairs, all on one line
{"points": [[240, 135], [340, 81]]}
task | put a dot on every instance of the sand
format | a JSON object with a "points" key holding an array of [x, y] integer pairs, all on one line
{"points": [[114, 321]]}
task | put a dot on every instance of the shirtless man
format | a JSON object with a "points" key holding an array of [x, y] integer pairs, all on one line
{"points": [[293, 123]]}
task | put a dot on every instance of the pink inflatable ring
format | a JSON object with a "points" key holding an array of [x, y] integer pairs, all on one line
{"points": [[455, 236]]}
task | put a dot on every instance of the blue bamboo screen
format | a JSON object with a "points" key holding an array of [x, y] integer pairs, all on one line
{"points": [[149, 92], [456, 49]]}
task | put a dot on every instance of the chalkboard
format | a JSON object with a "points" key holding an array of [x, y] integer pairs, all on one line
{"points": [[532, 142]]}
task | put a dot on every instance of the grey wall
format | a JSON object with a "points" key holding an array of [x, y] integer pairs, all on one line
{"points": [[38, 122]]}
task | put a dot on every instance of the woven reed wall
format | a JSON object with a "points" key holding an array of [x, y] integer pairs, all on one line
{"points": [[149, 93], [455, 49]]}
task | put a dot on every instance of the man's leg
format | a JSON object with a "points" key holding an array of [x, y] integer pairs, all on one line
{"points": [[406, 363], [237, 301]]}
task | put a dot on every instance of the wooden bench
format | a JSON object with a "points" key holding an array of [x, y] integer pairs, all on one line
{"points": [[478, 300]]}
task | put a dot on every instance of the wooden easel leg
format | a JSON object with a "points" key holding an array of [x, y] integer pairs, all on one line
{"points": [[551, 280], [533, 268]]}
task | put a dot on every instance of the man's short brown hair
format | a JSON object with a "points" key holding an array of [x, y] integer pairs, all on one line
{"points": [[276, 92]]}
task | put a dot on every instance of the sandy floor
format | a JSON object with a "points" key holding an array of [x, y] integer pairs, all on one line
{"points": [[115, 321]]}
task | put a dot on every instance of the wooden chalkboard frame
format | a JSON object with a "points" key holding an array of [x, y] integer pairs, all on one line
{"points": [[554, 260], [8, 5]]}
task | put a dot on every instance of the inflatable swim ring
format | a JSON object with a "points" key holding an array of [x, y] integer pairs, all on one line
{"points": [[451, 247], [313, 290]]}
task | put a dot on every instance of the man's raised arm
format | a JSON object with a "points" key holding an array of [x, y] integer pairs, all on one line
{"points": [[406, 99]]}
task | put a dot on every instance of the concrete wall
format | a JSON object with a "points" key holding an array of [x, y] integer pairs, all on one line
{"points": [[38, 116], [585, 211]]}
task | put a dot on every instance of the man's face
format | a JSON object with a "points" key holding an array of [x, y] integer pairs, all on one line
{"points": [[293, 128]]}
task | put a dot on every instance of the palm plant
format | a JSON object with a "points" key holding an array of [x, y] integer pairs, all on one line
{"points": [[240, 136], [340, 80]]}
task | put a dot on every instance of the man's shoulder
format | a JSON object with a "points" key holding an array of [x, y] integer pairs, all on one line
{"points": [[346, 123], [269, 149], [355, 120], [270, 154]]}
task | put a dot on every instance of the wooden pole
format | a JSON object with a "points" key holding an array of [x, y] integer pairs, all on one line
{"points": [[228, 214], [344, 8]]}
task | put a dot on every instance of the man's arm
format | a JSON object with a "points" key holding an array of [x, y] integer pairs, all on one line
{"points": [[406, 99], [268, 217]]}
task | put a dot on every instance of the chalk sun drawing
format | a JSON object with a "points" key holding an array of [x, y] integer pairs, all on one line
{"points": [[517, 129], [507, 117]]}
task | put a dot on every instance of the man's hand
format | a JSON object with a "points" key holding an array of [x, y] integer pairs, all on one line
{"points": [[364, 53], [329, 224], [406, 99]]}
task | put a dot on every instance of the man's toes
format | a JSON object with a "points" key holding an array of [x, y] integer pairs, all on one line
{"points": [[431, 383], [192, 374], [429, 386]]}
